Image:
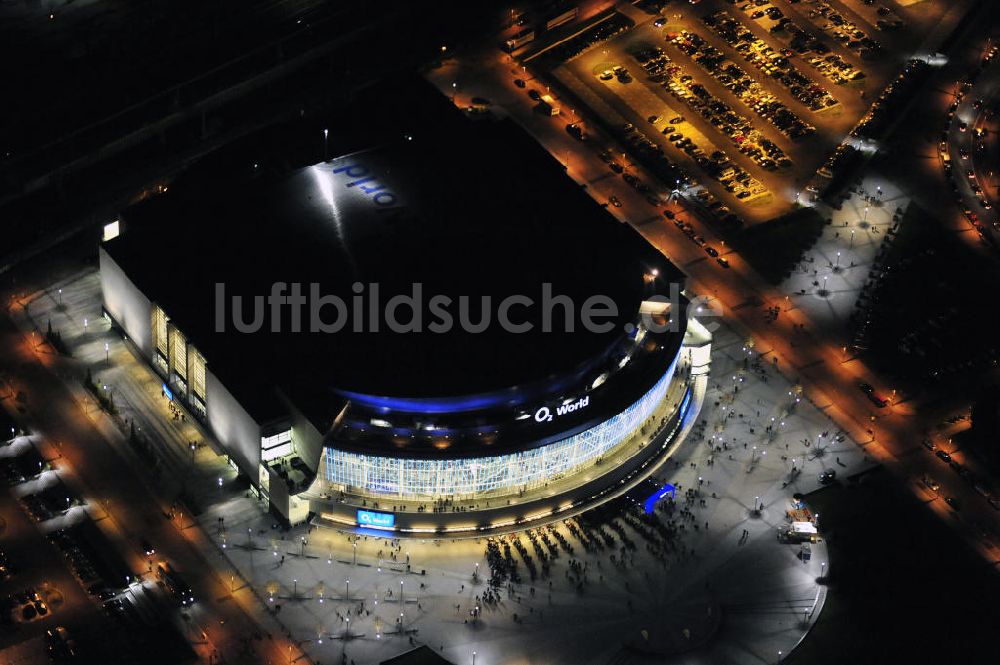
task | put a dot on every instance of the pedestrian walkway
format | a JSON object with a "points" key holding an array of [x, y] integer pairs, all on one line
{"points": [[826, 284]]}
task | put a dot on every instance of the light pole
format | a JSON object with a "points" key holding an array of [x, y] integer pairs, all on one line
{"points": [[107, 354], [473, 658], [60, 296], [355, 554], [838, 261], [85, 324], [347, 595], [852, 238], [326, 144]]}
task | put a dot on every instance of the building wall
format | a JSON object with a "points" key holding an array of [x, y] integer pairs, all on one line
{"points": [[308, 440], [126, 303], [233, 426], [421, 479]]}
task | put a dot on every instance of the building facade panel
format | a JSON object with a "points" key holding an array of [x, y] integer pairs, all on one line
{"points": [[126, 303], [232, 425]]}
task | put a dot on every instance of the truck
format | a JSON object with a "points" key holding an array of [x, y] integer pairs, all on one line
{"points": [[547, 106], [520, 39], [799, 532], [560, 16], [174, 584]]}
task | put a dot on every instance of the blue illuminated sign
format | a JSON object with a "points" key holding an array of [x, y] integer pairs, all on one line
{"points": [[657, 495], [168, 393], [378, 520]]}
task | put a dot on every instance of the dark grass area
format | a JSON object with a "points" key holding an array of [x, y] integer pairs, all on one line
{"points": [[931, 303], [773, 248], [903, 587]]}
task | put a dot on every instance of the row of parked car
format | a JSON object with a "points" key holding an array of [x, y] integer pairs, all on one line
{"points": [[964, 155], [847, 32], [688, 229], [772, 62], [736, 127], [980, 486], [737, 81], [803, 42]]}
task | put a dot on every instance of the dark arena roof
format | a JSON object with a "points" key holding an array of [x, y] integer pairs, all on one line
{"points": [[462, 207]]}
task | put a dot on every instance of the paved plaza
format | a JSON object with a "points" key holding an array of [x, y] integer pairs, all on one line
{"points": [[826, 284], [720, 589]]}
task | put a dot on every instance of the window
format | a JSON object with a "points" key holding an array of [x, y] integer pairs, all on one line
{"points": [[275, 446], [178, 353], [196, 372], [111, 231], [160, 332]]}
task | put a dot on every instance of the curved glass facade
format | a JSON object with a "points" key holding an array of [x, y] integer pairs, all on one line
{"points": [[421, 480]]}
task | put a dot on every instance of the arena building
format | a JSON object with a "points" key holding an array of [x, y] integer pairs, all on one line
{"points": [[442, 333]]}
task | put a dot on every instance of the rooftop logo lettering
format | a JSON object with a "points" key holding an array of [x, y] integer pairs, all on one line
{"points": [[369, 184]]}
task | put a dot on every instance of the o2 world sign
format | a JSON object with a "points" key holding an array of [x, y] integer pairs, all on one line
{"points": [[545, 415], [376, 520]]}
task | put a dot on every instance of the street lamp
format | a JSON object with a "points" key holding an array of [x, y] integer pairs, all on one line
{"points": [[107, 351], [326, 144], [473, 658]]}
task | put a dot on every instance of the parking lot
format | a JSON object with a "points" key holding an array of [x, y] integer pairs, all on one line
{"points": [[762, 90]]}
